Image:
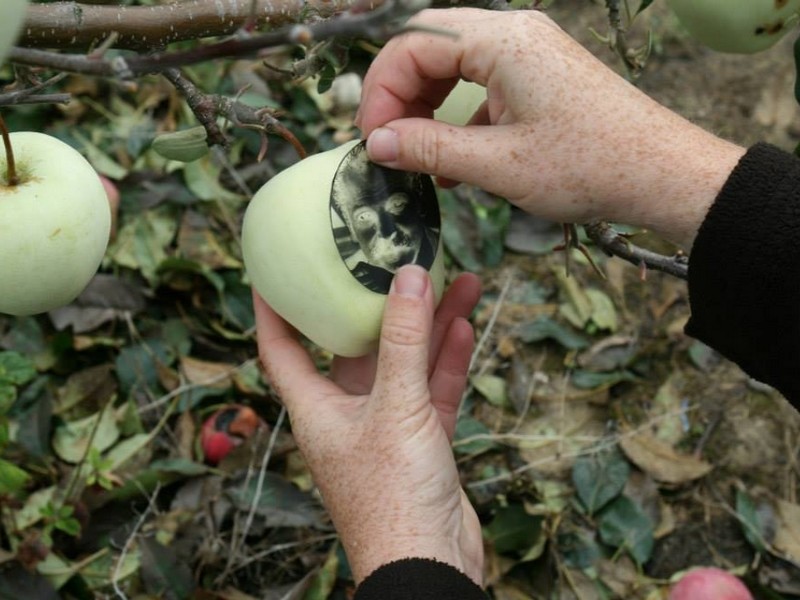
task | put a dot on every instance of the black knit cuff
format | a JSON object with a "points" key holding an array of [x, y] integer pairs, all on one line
{"points": [[418, 579], [744, 270]]}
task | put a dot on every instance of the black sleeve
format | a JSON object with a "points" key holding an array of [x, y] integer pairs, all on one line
{"points": [[744, 270], [418, 579]]}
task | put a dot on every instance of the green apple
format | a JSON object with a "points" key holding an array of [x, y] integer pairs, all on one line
{"points": [[737, 27], [293, 247], [12, 16], [54, 224], [461, 103]]}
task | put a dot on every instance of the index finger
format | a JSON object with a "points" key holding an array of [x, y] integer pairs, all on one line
{"points": [[414, 72]]}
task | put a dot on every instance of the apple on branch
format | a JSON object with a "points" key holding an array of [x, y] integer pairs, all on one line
{"points": [[54, 223]]}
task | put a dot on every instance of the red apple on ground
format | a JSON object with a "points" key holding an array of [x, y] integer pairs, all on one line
{"points": [[709, 583], [226, 429]]}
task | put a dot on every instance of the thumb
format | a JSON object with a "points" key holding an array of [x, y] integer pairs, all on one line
{"points": [[468, 154], [402, 369]]}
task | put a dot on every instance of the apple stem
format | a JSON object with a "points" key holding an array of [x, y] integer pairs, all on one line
{"points": [[11, 166]]}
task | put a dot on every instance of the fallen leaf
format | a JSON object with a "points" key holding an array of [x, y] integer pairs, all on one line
{"points": [[787, 534], [661, 461], [205, 373]]}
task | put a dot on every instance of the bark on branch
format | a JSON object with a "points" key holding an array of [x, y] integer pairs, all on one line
{"points": [[75, 25], [612, 242], [381, 22]]}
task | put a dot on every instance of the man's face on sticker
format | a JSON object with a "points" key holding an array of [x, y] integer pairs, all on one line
{"points": [[388, 230]]}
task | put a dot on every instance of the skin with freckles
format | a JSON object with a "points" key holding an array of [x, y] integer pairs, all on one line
{"points": [[560, 136], [377, 432]]}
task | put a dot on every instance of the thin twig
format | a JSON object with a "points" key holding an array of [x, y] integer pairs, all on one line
{"points": [[30, 94], [236, 544], [614, 244], [492, 319], [129, 542]]}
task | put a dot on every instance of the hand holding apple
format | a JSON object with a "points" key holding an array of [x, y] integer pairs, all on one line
{"points": [[54, 224]]}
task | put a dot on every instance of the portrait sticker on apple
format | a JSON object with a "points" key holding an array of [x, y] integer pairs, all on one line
{"points": [[382, 219]]}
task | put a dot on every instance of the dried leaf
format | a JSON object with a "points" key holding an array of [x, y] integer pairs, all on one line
{"points": [[106, 298], [197, 242], [787, 536], [208, 374], [661, 461]]}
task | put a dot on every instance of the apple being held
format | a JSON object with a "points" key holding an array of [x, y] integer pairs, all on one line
{"points": [[461, 103], [322, 240], [12, 16], [54, 224]]}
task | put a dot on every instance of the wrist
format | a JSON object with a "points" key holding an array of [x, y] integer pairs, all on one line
{"points": [[367, 557], [678, 171]]}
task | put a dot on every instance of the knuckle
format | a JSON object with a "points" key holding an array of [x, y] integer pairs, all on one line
{"points": [[403, 330], [425, 150]]}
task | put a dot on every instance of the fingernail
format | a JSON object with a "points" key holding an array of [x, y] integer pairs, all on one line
{"points": [[410, 280], [382, 145]]}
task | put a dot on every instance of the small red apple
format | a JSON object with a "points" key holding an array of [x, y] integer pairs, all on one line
{"points": [[226, 429], [709, 583]]}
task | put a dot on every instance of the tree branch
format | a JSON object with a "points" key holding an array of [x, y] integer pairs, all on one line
{"points": [[81, 26], [379, 23], [613, 243]]}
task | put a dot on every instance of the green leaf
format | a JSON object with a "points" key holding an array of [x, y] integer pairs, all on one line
{"points": [[579, 549], [797, 74], [623, 524], [589, 380], [326, 77], [544, 328], [604, 315], [493, 388], [136, 366], [12, 478], [513, 530], [35, 419], [600, 477], [202, 178], [279, 502], [643, 6], [468, 427], [8, 394], [142, 241], [16, 368], [36, 507], [702, 356], [756, 520], [71, 440], [473, 232], [17, 583], [322, 582], [163, 574]]}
